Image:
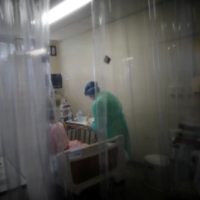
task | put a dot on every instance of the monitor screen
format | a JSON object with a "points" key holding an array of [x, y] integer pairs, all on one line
{"points": [[56, 80]]}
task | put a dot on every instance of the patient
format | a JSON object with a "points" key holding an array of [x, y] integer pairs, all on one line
{"points": [[60, 141]]}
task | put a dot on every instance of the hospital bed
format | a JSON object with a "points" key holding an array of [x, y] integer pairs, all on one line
{"points": [[79, 168]]}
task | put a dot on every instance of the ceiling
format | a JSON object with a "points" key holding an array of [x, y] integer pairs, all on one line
{"points": [[73, 24], [80, 21]]}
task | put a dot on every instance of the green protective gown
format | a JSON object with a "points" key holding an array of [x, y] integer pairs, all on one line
{"points": [[107, 111]]}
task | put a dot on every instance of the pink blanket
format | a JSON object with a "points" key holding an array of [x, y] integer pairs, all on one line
{"points": [[60, 141]]}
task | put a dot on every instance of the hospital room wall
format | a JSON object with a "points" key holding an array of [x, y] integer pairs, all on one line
{"points": [[131, 74], [76, 60], [55, 65]]}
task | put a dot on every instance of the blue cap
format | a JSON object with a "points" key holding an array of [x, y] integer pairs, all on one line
{"points": [[91, 88]]}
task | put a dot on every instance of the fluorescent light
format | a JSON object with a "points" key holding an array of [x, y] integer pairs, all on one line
{"points": [[63, 9], [36, 52]]}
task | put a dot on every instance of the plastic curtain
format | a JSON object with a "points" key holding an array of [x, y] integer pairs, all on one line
{"points": [[146, 53], [104, 60], [154, 71], [175, 66], [26, 101]]}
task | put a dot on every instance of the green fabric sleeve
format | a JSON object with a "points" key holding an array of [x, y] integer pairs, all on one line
{"points": [[98, 109]]}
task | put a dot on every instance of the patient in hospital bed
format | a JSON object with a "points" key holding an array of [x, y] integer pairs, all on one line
{"points": [[60, 141]]}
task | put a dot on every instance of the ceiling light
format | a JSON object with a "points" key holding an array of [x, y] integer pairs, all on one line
{"points": [[64, 8]]}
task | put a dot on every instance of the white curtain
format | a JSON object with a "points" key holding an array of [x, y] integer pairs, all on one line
{"points": [[25, 97]]}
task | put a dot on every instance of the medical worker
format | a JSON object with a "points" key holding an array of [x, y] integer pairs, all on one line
{"points": [[108, 114]]}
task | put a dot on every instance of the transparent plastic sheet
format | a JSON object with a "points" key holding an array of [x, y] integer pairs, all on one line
{"points": [[174, 32], [110, 39], [153, 48], [98, 24], [26, 101]]}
